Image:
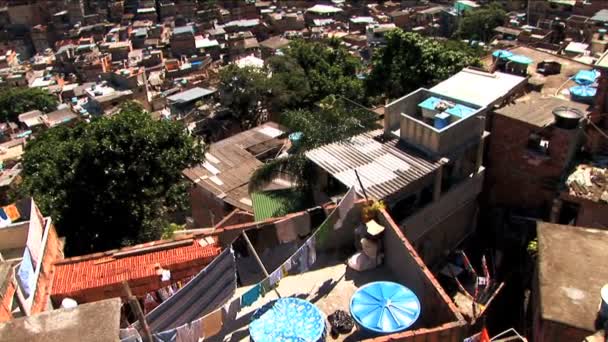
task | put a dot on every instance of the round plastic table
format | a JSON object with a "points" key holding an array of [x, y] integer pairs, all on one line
{"points": [[385, 307]]}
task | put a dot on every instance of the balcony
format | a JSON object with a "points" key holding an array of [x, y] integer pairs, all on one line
{"points": [[434, 123]]}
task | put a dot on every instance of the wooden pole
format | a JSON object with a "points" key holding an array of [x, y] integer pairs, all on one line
{"points": [[134, 304], [361, 185], [257, 258]]}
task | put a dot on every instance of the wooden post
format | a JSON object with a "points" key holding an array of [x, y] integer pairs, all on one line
{"points": [[134, 304], [361, 185], [257, 258]]}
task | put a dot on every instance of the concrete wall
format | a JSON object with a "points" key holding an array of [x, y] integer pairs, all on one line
{"points": [[410, 270], [14, 236], [443, 224]]}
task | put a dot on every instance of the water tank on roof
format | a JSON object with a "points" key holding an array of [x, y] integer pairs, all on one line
{"points": [[566, 117]]}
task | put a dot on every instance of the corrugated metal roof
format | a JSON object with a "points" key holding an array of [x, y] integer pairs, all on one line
{"points": [[190, 95], [385, 165], [277, 203], [229, 164]]}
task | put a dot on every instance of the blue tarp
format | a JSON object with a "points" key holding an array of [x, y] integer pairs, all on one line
{"points": [[502, 54], [583, 91], [385, 307], [586, 77], [460, 111], [287, 319], [520, 59], [429, 103]]}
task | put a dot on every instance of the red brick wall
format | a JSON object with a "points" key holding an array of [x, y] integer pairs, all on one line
{"points": [[53, 251], [515, 176], [6, 301]]}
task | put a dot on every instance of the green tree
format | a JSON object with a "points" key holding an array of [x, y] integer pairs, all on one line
{"points": [[14, 101], [289, 87], [479, 23], [410, 61], [244, 91], [335, 119], [111, 182], [329, 68]]}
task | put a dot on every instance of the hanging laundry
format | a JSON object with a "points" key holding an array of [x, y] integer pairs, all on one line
{"points": [[286, 230], [129, 335], [12, 212], [251, 296], [287, 265], [190, 332], [4, 220], [232, 309], [302, 224], [345, 206], [283, 271], [312, 252], [265, 287], [275, 277], [150, 302], [162, 294], [165, 336], [212, 323], [26, 274]]}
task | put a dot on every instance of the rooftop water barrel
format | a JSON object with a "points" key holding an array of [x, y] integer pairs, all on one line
{"points": [[566, 117], [442, 120]]}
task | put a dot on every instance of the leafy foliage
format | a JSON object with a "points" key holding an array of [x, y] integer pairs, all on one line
{"points": [[410, 61], [14, 101], [334, 120], [110, 183], [479, 23], [244, 91]]}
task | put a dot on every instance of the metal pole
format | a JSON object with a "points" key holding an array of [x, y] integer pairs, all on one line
{"points": [[257, 258], [134, 304], [361, 185]]}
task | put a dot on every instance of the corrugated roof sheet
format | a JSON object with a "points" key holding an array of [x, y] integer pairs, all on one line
{"points": [[601, 15], [277, 203], [385, 165], [229, 165], [190, 95]]}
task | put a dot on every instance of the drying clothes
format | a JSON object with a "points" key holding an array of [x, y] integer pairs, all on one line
{"points": [[129, 335], [344, 207], [265, 287], [165, 336], [163, 294], [150, 302], [232, 309], [189, 332], [212, 323], [12, 212], [251, 296], [26, 274], [4, 219], [209, 290], [275, 277], [287, 265], [283, 271], [286, 230], [312, 252], [302, 224]]}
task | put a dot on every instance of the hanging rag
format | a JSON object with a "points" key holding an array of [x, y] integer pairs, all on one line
{"points": [[345, 206], [312, 252], [189, 332], [251, 296], [212, 323], [286, 230], [265, 287], [275, 277], [165, 336], [283, 271], [162, 294], [232, 309], [12, 212], [4, 219], [303, 259], [302, 224]]}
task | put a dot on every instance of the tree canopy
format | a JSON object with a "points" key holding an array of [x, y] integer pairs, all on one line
{"points": [[244, 91], [333, 120], [410, 61], [16, 100], [479, 23], [111, 182]]}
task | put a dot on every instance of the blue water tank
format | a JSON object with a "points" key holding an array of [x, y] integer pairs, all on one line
{"points": [[442, 120]]}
